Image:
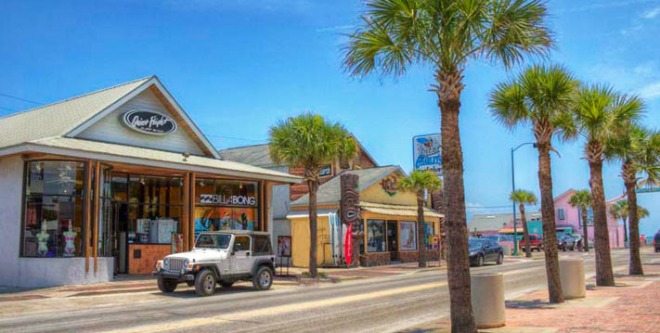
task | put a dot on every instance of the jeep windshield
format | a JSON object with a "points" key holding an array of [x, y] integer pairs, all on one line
{"points": [[213, 241]]}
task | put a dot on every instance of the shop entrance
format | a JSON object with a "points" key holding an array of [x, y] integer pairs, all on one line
{"points": [[393, 240], [139, 219]]}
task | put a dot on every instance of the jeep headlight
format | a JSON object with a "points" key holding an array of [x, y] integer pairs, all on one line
{"points": [[166, 263], [187, 265]]}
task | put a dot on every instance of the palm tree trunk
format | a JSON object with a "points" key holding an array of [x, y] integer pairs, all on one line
{"points": [[625, 231], [523, 219], [420, 230], [313, 217], [635, 267], [458, 264], [583, 212], [549, 228], [604, 274]]}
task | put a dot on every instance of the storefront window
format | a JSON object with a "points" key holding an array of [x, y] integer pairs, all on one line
{"points": [[375, 235], [226, 205], [53, 221], [150, 205], [408, 232]]}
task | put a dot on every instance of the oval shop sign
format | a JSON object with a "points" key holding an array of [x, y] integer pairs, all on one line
{"points": [[149, 122]]}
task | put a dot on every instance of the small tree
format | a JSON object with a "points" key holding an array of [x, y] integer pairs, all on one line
{"points": [[522, 198], [420, 183], [582, 200], [309, 141]]}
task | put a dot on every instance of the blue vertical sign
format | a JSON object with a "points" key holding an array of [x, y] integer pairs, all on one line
{"points": [[427, 153]]}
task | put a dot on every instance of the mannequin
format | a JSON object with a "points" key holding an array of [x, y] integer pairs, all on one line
{"points": [[69, 238], [43, 237]]}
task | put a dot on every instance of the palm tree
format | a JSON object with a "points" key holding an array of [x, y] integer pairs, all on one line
{"points": [[420, 182], [541, 97], [522, 198], [633, 147], [602, 114], [446, 34], [621, 210], [582, 200], [309, 141]]}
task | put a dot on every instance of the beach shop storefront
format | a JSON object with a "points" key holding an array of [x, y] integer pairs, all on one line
{"points": [[385, 221], [109, 182]]}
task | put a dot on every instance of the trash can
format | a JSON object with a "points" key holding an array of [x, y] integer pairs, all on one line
{"points": [[488, 300], [571, 276]]}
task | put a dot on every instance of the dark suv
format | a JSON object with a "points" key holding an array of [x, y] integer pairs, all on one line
{"points": [[656, 241]]}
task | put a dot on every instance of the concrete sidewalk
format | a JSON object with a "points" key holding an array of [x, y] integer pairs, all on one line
{"points": [[630, 307]]}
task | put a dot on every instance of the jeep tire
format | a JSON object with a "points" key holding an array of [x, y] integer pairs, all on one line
{"points": [[167, 285], [500, 258], [263, 279], [205, 283]]}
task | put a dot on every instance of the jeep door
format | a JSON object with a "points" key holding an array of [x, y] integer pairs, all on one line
{"points": [[241, 258]]}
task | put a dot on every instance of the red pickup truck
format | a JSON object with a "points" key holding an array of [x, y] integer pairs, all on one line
{"points": [[535, 243]]}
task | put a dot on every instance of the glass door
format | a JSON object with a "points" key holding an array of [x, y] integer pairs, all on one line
{"points": [[393, 240]]}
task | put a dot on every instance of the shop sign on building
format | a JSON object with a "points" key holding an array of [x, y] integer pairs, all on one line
{"points": [[426, 152], [232, 200], [149, 122]]}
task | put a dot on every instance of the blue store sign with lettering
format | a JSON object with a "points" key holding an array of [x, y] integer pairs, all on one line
{"points": [[426, 152], [149, 122]]}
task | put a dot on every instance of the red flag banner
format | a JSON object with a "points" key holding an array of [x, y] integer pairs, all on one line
{"points": [[348, 244]]}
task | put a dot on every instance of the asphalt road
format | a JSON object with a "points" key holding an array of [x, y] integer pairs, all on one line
{"points": [[388, 304]]}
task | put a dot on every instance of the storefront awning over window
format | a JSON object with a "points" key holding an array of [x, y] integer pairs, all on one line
{"points": [[396, 210], [148, 157]]}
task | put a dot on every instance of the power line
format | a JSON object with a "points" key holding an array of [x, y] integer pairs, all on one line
{"points": [[20, 99]]}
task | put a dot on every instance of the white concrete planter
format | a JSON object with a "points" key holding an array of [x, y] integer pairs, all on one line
{"points": [[488, 300], [571, 276]]}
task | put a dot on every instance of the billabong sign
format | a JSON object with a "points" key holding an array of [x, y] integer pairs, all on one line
{"points": [[426, 152], [149, 122], [231, 200]]}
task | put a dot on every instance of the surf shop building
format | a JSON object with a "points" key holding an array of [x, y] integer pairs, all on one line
{"points": [[109, 182]]}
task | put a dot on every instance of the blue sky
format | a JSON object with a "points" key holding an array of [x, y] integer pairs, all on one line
{"points": [[240, 66]]}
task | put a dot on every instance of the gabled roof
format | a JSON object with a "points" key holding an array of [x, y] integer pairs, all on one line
{"points": [[72, 116], [330, 191], [259, 155], [59, 118]]}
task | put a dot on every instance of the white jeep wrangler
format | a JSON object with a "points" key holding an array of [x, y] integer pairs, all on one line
{"points": [[220, 257]]}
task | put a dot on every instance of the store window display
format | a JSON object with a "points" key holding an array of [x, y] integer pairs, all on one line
{"points": [[226, 205], [376, 236], [53, 212]]}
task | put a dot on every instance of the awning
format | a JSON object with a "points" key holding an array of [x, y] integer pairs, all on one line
{"points": [[396, 210]]}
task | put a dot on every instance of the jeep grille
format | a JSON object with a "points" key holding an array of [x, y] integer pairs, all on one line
{"points": [[176, 264]]}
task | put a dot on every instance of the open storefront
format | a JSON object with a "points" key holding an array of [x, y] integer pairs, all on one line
{"points": [[113, 181]]}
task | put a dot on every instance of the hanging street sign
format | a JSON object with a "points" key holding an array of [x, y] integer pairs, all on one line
{"points": [[427, 152]]}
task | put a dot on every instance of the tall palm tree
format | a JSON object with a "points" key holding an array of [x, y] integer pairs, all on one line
{"points": [[602, 114], [309, 141], [420, 182], [621, 210], [582, 200], [541, 97], [446, 34], [522, 198]]}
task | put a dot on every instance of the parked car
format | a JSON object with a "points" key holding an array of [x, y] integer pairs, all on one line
{"points": [[219, 258], [535, 243], [656, 241], [567, 242], [484, 249]]}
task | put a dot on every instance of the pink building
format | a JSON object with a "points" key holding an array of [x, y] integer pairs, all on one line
{"points": [[566, 215]]}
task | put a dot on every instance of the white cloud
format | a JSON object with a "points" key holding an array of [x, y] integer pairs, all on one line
{"points": [[646, 69], [650, 91], [651, 13]]}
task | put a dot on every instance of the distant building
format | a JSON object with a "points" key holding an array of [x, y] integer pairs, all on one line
{"points": [[497, 222]]}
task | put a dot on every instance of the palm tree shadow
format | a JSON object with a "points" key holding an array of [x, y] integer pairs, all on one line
{"points": [[529, 304]]}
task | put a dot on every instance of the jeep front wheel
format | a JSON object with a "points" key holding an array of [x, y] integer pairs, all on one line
{"points": [[263, 279], [167, 285], [205, 283]]}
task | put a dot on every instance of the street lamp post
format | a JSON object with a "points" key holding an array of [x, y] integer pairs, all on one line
{"points": [[513, 189]]}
